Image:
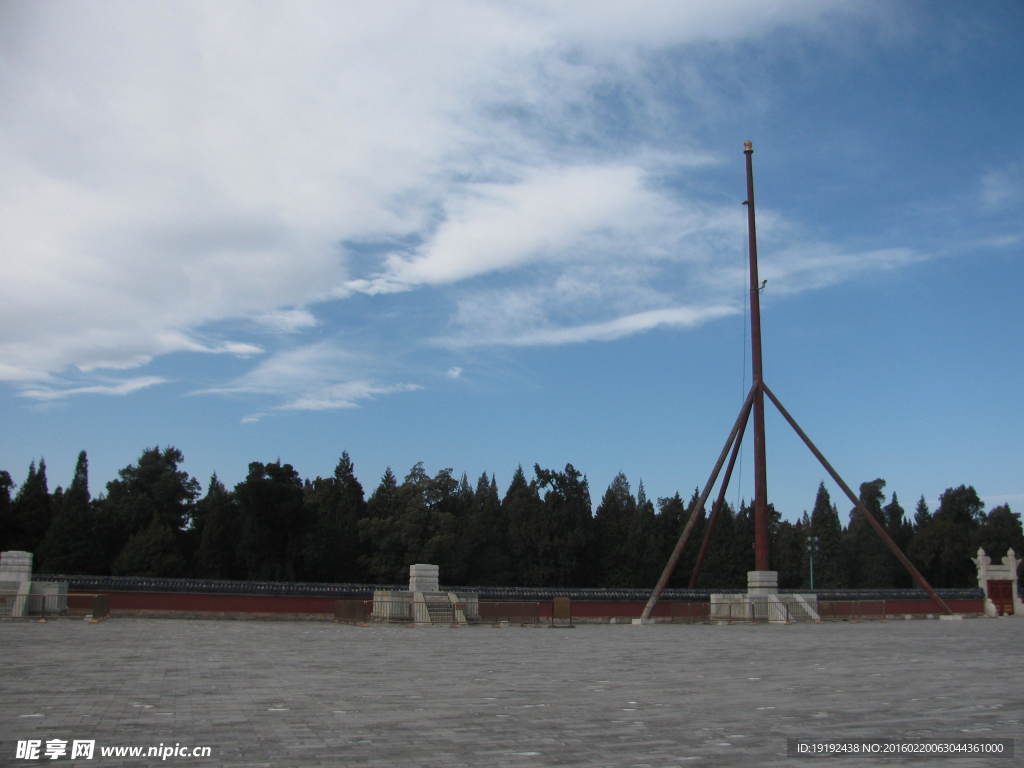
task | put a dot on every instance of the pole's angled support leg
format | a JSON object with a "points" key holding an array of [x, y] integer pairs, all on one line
{"points": [[717, 508], [886, 539], [698, 510]]}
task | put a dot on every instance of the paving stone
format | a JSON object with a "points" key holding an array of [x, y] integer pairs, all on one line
{"points": [[280, 693]]}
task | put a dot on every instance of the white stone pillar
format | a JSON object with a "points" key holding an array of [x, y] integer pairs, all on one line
{"points": [[16, 578], [423, 578], [762, 582]]}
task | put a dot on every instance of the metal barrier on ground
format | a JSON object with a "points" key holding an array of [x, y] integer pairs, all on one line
{"points": [[45, 606], [746, 611], [524, 613]]}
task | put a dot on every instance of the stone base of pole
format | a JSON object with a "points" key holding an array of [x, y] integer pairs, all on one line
{"points": [[763, 603], [762, 582]]}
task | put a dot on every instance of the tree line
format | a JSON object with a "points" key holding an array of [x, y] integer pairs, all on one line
{"points": [[153, 520]]}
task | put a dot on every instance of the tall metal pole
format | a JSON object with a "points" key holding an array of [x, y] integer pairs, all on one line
{"points": [[760, 455]]}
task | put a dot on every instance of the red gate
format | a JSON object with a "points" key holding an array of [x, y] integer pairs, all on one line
{"points": [[1000, 592]]}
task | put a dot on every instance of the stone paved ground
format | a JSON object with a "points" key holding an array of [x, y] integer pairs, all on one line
{"points": [[318, 694]]}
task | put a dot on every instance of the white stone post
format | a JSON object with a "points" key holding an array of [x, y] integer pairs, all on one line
{"points": [[16, 578], [423, 578]]}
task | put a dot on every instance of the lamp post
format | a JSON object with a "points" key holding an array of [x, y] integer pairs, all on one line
{"points": [[812, 547]]}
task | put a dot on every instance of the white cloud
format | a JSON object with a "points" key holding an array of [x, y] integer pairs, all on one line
{"points": [[126, 387], [627, 325], [291, 370], [344, 395], [999, 187], [552, 213], [805, 266], [167, 168], [315, 377], [287, 320], [1000, 241], [454, 372]]}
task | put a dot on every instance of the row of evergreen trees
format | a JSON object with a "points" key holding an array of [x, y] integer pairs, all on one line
{"points": [[274, 525]]}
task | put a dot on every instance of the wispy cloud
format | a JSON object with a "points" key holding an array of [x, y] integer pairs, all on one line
{"points": [[342, 395], [999, 187], [627, 325], [126, 387], [552, 214], [804, 266], [287, 320], [315, 377]]}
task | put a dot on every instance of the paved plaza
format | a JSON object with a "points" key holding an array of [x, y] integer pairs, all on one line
{"points": [[263, 693]]}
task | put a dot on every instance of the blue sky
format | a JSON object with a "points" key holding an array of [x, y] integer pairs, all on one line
{"points": [[483, 234]]}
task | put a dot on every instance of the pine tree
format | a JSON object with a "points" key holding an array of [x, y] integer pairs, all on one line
{"points": [[432, 513], [152, 489], [867, 557], [274, 522], [720, 568], [829, 567], [644, 545], [942, 545], [218, 555], [668, 524], [787, 552], [527, 531], [963, 511], [680, 577], [153, 551], [743, 544], [451, 504], [31, 511], [901, 531], [490, 561], [379, 534], [615, 541], [337, 505], [922, 515], [1000, 531], [569, 516], [7, 527], [69, 545], [927, 543]]}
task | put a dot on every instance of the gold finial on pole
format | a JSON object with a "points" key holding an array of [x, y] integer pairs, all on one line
{"points": [[748, 146]]}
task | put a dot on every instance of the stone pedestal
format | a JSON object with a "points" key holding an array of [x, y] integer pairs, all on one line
{"points": [[762, 602], [423, 578], [15, 582], [425, 602], [20, 596], [762, 582]]}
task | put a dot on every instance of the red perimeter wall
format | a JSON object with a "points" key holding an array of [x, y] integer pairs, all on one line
{"points": [[203, 603], [174, 602]]}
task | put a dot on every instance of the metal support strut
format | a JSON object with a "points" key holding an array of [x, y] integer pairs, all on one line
{"points": [[698, 510], [755, 403]]}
